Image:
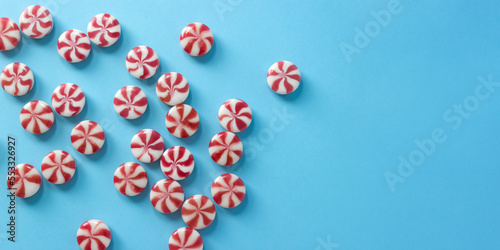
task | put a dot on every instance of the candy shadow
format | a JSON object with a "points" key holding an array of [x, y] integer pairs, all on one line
{"points": [[239, 209], [14, 52], [245, 133], [85, 63], [192, 177], [207, 57], [49, 134], [71, 183], [99, 154], [113, 239], [295, 94], [208, 230], [36, 197]]}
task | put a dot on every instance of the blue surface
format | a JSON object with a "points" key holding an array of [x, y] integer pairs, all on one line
{"points": [[328, 174]]}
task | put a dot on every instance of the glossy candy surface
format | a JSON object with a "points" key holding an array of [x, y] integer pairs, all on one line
{"points": [[68, 99], [87, 137], [177, 163], [36, 117], [172, 88], [58, 167], [24, 180], [9, 34], [142, 62], [182, 121], [104, 30], [93, 235], [166, 196], [185, 238], [130, 102], [147, 145], [198, 211], [73, 46], [17, 79], [228, 190], [235, 115], [225, 148], [283, 77], [196, 39], [130, 179], [36, 21]]}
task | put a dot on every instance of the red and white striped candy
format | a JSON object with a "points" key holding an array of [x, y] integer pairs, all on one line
{"points": [[147, 145], [185, 238], [9, 34], [93, 235], [228, 190], [235, 115], [142, 62], [73, 46], [177, 163], [68, 99], [87, 137], [172, 88], [104, 30], [196, 39], [283, 77], [58, 167], [130, 179], [130, 102], [36, 117], [198, 211], [182, 120], [167, 196], [225, 148], [24, 180], [36, 21], [17, 79]]}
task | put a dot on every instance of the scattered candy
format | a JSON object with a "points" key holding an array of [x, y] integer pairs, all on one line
{"points": [[182, 121], [104, 30], [172, 88], [87, 137], [235, 115], [24, 180], [228, 190], [283, 77], [185, 238], [9, 34], [177, 163], [58, 167], [17, 79], [196, 39], [130, 102], [198, 211], [225, 148], [147, 145], [36, 21], [130, 179], [167, 196], [142, 62], [36, 117], [68, 99], [73, 46], [93, 235]]}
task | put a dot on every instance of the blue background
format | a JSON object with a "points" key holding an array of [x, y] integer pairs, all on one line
{"points": [[315, 177]]}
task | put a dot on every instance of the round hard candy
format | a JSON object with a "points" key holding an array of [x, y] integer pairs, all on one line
{"points": [[36, 21], [185, 238], [9, 34], [87, 137], [24, 180], [142, 62], [172, 88], [130, 102], [147, 145], [93, 235], [177, 163], [73, 46], [235, 115], [225, 148], [58, 167], [68, 99], [198, 211], [228, 190], [196, 39], [17, 79], [182, 121], [283, 77], [104, 30], [36, 117], [130, 179], [167, 196]]}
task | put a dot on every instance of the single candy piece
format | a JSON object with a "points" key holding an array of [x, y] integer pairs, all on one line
{"points": [[283, 77], [142, 62], [182, 121], [87, 137], [185, 238], [172, 88], [104, 30], [9, 34], [147, 145], [225, 148], [228, 190], [196, 39], [37, 117], [235, 115], [36, 21], [177, 163], [93, 235], [17, 79], [130, 179], [68, 99], [24, 180], [73, 46], [58, 167], [130, 102], [167, 196], [198, 211]]}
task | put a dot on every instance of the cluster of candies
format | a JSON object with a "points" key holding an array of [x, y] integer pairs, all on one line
{"points": [[130, 102]]}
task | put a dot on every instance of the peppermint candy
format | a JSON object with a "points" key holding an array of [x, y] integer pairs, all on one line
{"points": [[130, 179], [36, 21], [104, 30], [68, 99], [177, 163], [17, 79], [58, 167]]}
